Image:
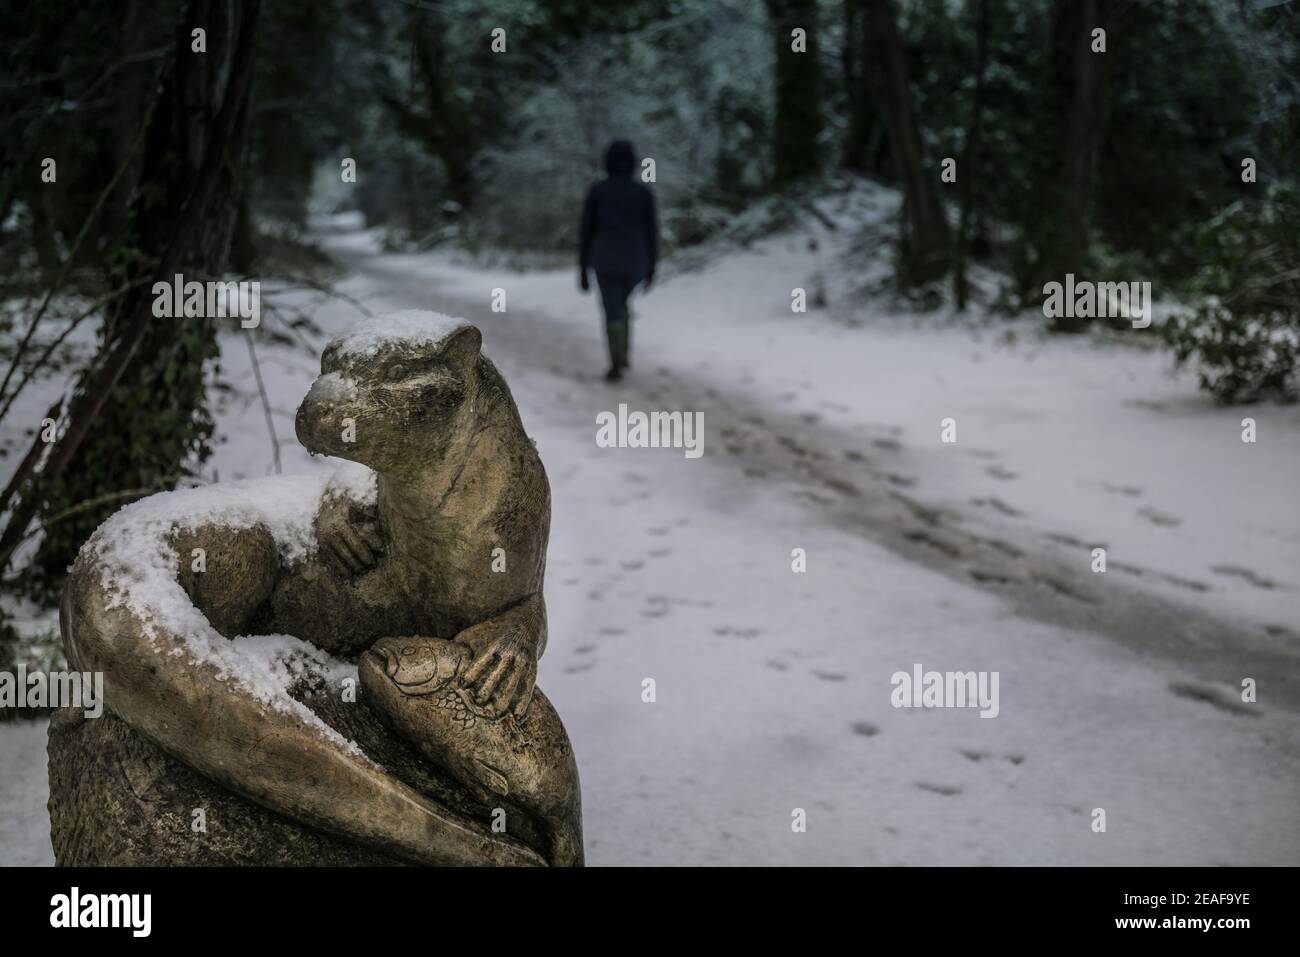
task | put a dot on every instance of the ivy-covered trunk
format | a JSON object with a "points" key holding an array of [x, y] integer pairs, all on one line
{"points": [[153, 432], [138, 421]]}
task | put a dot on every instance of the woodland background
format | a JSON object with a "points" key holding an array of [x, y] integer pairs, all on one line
{"points": [[1125, 165]]}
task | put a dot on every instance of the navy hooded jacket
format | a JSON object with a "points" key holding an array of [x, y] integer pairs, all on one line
{"points": [[620, 229]]}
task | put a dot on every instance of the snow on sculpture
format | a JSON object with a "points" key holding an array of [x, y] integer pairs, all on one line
{"points": [[229, 622]]}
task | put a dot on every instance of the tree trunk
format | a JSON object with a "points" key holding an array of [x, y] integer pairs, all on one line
{"points": [[181, 221], [447, 127], [1065, 247], [969, 151], [859, 142], [136, 85], [927, 243], [798, 124]]}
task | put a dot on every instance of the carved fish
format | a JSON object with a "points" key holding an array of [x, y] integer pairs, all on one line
{"points": [[421, 667], [412, 684]]}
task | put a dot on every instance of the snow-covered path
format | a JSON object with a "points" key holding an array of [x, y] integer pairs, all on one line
{"points": [[773, 687]]}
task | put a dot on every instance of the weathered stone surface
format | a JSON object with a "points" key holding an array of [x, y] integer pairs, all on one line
{"points": [[116, 799], [201, 722]]}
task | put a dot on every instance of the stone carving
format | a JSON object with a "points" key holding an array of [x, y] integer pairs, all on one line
{"points": [[332, 670]]}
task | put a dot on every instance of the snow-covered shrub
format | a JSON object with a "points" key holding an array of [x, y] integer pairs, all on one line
{"points": [[1243, 339], [1238, 360]]}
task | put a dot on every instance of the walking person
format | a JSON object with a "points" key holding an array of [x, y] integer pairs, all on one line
{"points": [[619, 238]]}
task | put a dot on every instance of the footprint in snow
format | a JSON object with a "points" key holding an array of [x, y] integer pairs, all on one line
{"points": [[1236, 571], [943, 789], [922, 537], [1223, 697], [1061, 588], [843, 487], [1184, 582], [738, 632], [1156, 517], [998, 505], [1006, 548], [658, 607], [978, 756], [1062, 539], [990, 578], [1132, 491]]}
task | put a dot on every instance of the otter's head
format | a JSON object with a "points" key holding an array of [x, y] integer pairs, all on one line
{"points": [[394, 393]]}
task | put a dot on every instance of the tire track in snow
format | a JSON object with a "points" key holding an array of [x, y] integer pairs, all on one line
{"points": [[850, 491]]}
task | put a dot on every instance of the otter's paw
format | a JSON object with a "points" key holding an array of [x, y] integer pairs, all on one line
{"points": [[503, 674], [349, 537]]}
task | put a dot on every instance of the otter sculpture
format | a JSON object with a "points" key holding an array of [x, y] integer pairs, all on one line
{"points": [[332, 669]]}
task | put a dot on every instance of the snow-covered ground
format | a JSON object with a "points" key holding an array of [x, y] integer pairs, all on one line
{"points": [[821, 432], [24, 789], [1071, 439]]}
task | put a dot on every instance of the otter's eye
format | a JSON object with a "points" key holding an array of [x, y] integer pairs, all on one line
{"points": [[405, 370], [408, 651]]}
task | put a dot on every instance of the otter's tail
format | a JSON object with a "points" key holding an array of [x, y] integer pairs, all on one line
{"points": [[566, 844]]}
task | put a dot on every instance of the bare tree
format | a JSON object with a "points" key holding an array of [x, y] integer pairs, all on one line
{"points": [[927, 241]]}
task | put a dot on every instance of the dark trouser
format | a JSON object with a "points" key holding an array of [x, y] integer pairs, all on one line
{"points": [[614, 291]]}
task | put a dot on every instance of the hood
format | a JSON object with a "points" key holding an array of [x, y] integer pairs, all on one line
{"points": [[619, 158]]}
